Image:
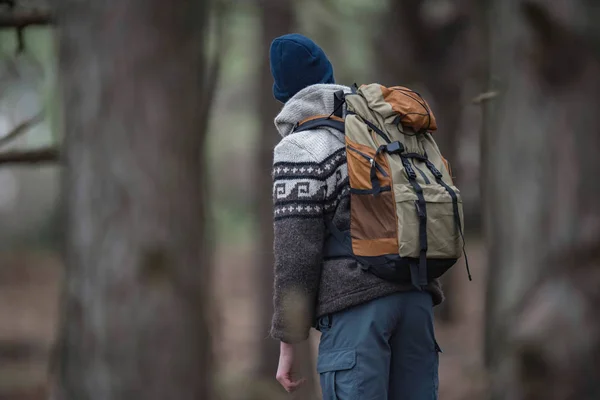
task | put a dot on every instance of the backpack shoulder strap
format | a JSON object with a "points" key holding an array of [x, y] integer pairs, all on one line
{"points": [[321, 121]]}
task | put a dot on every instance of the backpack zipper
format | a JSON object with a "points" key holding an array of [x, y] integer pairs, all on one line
{"points": [[370, 159]]}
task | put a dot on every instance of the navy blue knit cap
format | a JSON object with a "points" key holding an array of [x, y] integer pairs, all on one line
{"points": [[297, 62]]}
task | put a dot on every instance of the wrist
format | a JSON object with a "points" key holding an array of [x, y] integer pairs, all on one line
{"points": [[286, 348]]}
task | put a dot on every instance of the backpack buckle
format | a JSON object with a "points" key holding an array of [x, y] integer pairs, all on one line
{"points": [[395, 148], [434, 170], [339, 98]]}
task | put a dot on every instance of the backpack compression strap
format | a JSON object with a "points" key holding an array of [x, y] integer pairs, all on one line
{"points": [[321, 121]]}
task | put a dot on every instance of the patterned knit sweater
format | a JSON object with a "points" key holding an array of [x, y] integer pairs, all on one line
{"points": [[311, 183]]}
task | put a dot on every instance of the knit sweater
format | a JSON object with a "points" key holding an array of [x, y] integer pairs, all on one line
{"points": [[310, 183]]}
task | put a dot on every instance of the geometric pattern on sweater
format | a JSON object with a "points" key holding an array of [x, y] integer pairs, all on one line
{"points": [[321, 170], [302, 188], [309, 189], [311, 208]]}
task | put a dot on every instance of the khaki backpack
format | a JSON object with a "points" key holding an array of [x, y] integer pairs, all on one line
{"points": [[406, 222]]}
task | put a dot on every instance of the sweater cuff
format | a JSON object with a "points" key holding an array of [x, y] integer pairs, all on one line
{"points": [[292, 319], [435, 288], [278, 333]]}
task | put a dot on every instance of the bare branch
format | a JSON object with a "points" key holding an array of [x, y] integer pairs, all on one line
{"points": [[21, 129], [23, 19], [483, 97], [48, 154]]}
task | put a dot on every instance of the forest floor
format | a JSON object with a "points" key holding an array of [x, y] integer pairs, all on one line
{"points": [[29, 298]]}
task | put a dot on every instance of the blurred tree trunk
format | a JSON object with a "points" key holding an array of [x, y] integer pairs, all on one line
{"points": [[135, 296], [428, 44], [278, 18], [543, 332]]}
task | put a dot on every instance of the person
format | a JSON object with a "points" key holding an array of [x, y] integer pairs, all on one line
{"points": [[377, 337]]}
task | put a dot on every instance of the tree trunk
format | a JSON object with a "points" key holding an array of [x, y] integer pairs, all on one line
{"points": [[277, 19], [135, 295], [543, 334]]}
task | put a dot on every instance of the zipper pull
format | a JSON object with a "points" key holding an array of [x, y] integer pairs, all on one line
{"points": [[420, 211]]}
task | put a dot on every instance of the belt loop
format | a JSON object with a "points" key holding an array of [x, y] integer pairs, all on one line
{"points": [[325, 322]]}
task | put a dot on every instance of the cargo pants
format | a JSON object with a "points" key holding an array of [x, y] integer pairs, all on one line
{"points": [[380, 350]]}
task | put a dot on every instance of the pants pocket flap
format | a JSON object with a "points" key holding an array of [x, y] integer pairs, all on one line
{"points": [[336, 360]]}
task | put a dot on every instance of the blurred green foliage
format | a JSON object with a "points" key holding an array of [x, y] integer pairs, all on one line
{"points": [[35, 68], [28, 85]]}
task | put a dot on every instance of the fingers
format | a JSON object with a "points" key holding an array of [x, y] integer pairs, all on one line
{"points": [[289, 384], [295, 385]]}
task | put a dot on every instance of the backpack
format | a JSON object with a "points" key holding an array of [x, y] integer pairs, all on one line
{"points": [[406, 215]]}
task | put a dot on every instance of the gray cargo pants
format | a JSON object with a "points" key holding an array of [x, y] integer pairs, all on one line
{"points": [[380, 350]]}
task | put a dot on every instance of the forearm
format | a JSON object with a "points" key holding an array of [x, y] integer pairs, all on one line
{"points": [[298, 258]]}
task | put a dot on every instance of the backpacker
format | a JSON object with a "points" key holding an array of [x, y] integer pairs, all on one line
{"points": [[406, 222]]}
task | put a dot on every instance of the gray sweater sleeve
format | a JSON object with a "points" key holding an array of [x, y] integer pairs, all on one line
{"points": [[299, 187]]}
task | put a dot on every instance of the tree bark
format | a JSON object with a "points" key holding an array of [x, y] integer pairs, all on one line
{"points": [[277, 19], [43, 155], [543, 334], [23, 19], [135, 295]]}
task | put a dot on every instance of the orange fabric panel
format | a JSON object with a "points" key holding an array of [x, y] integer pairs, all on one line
{"points": [[359, 167], [413, 109], [320, 116], [373, 217], [447, 164], [376, 247]]}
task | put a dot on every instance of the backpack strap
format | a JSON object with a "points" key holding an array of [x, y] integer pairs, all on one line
{"points": [[339, 98], [320, 121], [343, 239], [420, 280]]}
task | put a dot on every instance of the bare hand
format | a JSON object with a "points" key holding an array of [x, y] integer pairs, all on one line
{"points": [[285, 370]]}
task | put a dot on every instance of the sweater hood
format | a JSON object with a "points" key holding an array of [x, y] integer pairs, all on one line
{"points": [[309, 102]]}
